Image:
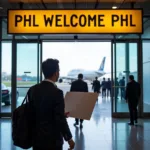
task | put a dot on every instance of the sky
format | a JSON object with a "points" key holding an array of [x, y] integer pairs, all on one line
{"points": [[78, 55], [71, 55]]}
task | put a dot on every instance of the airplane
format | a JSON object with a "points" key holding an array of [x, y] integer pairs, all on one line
{"points": [[87, 74]]}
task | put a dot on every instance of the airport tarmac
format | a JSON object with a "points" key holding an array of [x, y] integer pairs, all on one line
{"points": [[105, 103], [23, 90]]}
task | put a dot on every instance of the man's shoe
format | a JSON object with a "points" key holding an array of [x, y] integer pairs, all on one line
{"points": [[75, 124], [131, 124]]}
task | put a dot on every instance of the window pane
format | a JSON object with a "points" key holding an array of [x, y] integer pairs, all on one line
{"points": [[126, 64], [146, 76], [6, 76], [26, 68], [146, 33]]}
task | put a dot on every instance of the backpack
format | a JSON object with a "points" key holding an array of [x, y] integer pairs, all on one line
{"points": [[22, 124]]}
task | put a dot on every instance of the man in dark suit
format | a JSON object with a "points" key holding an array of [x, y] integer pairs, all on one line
{"points": [[79, 86], [132, 96], [96, 86], [48, 105], [122, 87], [104, 86], [108, 87]]}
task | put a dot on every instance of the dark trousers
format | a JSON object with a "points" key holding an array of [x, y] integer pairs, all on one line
{"points": [[55, 148], [108, 92], [77, 120], [103, 92], [122, 92], [133, 112], [96, 91]]}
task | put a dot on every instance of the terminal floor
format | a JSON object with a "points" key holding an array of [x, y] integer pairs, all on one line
{"points": [[100, 133]]}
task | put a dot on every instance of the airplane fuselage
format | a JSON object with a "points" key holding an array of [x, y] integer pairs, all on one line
{"points": [[87, 75]]}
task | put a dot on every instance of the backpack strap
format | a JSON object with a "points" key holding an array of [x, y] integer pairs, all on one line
{"points": [[26, 98]]}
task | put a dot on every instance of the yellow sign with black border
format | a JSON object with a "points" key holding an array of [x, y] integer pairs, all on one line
{"points": [[75, 21]]}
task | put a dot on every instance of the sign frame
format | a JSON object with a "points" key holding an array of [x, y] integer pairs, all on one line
{"points": [[24, 33]]}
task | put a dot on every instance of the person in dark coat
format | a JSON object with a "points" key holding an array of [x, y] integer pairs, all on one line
{"points": [[104, 86], [132, 96], [79, 86], [122, 88], [48, 106], [96, 86], [116, 88], [108, 87]]}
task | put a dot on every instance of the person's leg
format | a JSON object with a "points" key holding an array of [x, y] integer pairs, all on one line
{"points": [[135, 113], [102, 93], [131, 113], [109, 92], [76, 121], [105, 92], [81, 123], [121, 93]]}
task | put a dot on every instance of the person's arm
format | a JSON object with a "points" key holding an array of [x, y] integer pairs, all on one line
{"points": [[60, 117]]}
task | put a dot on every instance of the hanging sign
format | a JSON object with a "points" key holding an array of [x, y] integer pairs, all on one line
{"points": [[75, 21]]}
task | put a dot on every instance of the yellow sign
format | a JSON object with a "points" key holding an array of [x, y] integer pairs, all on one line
{"points": [[74, 21]]}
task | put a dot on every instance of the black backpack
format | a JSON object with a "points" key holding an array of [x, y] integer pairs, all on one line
{"points": [[22, 124]]}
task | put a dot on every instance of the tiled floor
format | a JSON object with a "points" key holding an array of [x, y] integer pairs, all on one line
{"points": [[100, 133]]}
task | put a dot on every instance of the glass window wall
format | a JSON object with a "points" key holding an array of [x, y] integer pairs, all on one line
{"points": [[27, 68], [6, 77], [146, 76], [125, 62]]}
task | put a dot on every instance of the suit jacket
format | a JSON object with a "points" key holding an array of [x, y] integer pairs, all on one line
{"points": [[50, 121], [79, 86], [96, 85], [133, 92]]}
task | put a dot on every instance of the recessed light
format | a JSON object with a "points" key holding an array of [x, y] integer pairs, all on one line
{"points": [[114, 7]]}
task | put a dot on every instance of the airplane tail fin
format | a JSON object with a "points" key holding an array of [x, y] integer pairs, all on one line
{"points": [[102, 65]]}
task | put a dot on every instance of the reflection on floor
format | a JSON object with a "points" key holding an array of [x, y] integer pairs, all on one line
{"points": [[100, 133]]}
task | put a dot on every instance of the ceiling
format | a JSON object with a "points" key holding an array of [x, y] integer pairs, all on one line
{"points": [[72, 4]]}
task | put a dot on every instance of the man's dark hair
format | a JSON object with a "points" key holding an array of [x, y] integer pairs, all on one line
{"points": [[131, 77], [96, 78], [49, 67], [80, 76], [123, 78]]}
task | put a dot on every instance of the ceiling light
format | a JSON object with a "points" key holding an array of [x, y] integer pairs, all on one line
{"points": [[1, 7], [114, 7]]}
